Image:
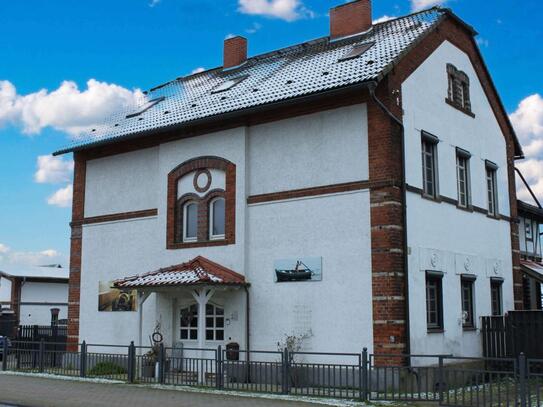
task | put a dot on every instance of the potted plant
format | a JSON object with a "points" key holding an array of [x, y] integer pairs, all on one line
{"points": [[149, 361]]}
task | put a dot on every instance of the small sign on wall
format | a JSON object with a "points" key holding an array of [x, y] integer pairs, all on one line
{"points": [[301, 269], [113, 299]]}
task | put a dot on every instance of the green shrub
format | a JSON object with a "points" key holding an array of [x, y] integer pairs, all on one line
{"points": [[106, 368]]}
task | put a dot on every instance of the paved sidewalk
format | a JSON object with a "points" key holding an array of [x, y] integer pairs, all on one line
{"points": [[43, 392]]}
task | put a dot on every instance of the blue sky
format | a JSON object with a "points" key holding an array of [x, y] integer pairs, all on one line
{"points": [[124, 45]]}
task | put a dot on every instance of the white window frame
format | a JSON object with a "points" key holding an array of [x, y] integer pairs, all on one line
{"points": [[492, 188], [211, 210], [462, 155], [430, 141], [215, 316], [188, 239], [189, 328]]}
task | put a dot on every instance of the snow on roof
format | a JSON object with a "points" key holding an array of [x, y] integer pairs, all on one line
{"points": [[52, 271], [304, 69], [197, 271]]}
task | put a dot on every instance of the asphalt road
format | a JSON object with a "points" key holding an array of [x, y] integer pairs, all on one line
{"points": [[25, 391]]}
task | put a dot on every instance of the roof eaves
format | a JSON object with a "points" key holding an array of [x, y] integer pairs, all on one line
{"points": [[214, 118]]}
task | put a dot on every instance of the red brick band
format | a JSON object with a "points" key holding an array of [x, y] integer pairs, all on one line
{"points": [[116, 216]]}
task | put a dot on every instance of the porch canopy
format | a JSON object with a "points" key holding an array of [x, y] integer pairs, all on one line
{"points": [[203, 276], [532, 269]]}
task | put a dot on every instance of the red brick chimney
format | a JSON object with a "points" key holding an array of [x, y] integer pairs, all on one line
{"points": [[350, 18], [235, 51]]}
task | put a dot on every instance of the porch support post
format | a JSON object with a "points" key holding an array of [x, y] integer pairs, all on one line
{"points": [[142, 296], [202, 296]]}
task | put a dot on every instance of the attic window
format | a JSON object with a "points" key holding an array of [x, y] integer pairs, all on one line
{"points": [[229, 84], [458, 90], [356, 51], [146, 106]]}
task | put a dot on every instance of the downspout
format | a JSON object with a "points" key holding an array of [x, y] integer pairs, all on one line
{"points": [[372, 86], [247, 323]]}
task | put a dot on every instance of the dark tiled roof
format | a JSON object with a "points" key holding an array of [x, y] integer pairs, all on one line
{"points": [[300, 70]]}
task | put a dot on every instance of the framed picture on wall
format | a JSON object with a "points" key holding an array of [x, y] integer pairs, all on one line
{"points": [[300, 269], [113, 299]]}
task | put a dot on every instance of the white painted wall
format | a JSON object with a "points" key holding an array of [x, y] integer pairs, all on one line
{"points": [[37, 300], [5, 290], [122, 183], [319, 149], [440, 231]]}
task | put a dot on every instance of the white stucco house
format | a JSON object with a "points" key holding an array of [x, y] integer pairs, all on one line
{"points": [[35, 295], [354, 190]]}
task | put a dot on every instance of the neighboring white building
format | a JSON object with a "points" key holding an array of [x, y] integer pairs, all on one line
{"points": [[36, 295], [356, 190]]}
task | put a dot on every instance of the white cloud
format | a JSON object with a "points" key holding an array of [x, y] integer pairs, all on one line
{"points": [[254, 28], [228, 36], [61, 198], [382, 19], [53, 170], [483, 42], [527, 120], [417, 5], [67, 108], [288, 10], [154, 3], [197, 70], [27, 258]]}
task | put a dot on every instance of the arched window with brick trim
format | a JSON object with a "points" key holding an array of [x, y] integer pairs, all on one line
{"points": [[201, 203]]}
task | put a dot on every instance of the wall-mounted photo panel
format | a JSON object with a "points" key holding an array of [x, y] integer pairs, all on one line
{"points": [[301, 269], [113, 299]]}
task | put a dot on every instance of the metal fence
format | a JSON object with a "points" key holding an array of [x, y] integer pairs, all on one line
{"points": [[444, 379]]}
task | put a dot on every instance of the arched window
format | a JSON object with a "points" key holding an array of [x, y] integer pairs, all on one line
{"points": [[217, 218], [190, 222]]}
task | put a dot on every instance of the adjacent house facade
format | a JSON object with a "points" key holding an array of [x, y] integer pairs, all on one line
{"points": [[36, 295], [530, 220], [355, 190]]}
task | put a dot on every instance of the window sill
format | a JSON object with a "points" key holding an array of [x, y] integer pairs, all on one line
{"points": [[469, 328], [435, 330], [201, 243], [461, 109], [468, 208], [431, 197], [491, 216]]}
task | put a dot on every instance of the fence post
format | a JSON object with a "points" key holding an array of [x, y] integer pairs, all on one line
{"points": [[131, 362], [41, 355], [218, 382], [364, 375], [5, 351], [83, 360], [441, 377], [522, 379], [161, 358], [286, 372]]}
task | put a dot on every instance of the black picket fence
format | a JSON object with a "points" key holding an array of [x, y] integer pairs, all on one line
{"points": [[443, 379]]}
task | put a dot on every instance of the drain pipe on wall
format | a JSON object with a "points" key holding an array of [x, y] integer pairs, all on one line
{"points": [[372, 86]]}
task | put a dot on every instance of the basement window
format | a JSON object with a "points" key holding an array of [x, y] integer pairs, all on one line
{"points": [[356, 51], [146, 106], [229, 84]]}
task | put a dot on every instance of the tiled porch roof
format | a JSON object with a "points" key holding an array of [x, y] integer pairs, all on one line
{"points": [[533, 268], [197, 271]]}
